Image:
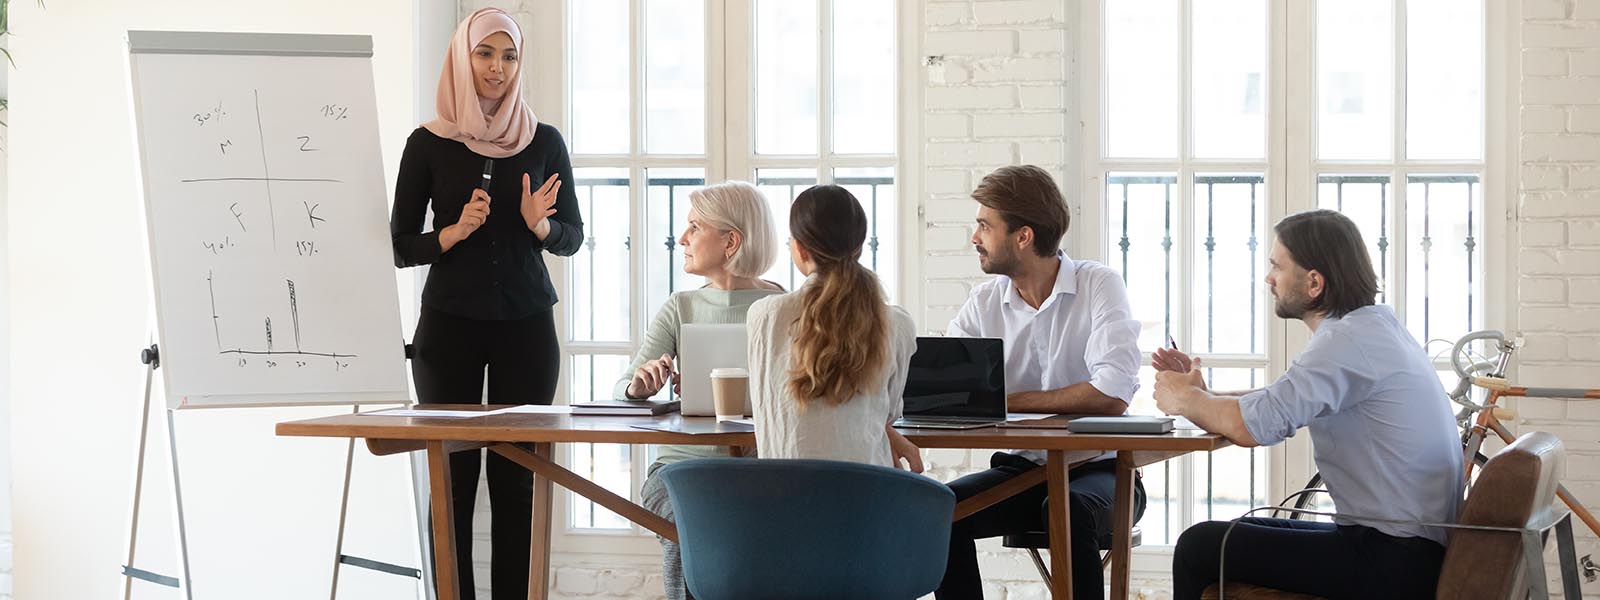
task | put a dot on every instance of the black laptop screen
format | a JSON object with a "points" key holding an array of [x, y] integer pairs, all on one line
{"points": [[957, 377]]}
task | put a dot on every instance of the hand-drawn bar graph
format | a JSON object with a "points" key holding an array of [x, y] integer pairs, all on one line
{"points": [[267, 349]]}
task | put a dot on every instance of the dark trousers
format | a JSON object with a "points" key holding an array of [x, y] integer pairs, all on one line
{"points": [[524, 361], [1308, 557], [1091, 496]]}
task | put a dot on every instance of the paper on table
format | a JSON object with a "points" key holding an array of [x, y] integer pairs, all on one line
{"points": [[411, 412], [1182, 423], [1028, 416], [697, 426], [538, 409], [458, 414]]}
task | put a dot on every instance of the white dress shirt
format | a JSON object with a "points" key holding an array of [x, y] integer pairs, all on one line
{"points": [[1382, 432], [853, 431], [1083, 331]]}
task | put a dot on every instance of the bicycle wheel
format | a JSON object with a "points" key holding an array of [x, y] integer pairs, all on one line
{"points": [[1303, 501]]}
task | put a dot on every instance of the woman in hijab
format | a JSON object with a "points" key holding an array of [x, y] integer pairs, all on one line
{"points": [[499, 185]]}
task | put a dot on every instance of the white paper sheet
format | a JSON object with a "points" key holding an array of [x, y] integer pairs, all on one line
{"points": [[411, 412]]}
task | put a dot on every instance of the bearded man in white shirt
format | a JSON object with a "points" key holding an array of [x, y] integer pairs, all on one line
{"points": [[1071, 347]]}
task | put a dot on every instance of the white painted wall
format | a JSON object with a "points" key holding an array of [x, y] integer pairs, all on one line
{"points": [[5, 352], [79, 304]]}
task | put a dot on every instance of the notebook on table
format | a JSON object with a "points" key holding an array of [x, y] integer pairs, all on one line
{"points": [[1122, 424], [643, 408]]}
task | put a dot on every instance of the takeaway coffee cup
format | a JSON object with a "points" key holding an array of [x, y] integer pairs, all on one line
{"points": [[729, 386]]}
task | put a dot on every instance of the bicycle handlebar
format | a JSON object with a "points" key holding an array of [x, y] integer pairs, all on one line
{"points": [[1456, 353]]}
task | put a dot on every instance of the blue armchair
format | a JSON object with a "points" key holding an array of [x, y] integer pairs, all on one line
{"points": [[797, 529]]}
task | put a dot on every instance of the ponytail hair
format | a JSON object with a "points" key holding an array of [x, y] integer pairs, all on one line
{"points": [[840, 340]]}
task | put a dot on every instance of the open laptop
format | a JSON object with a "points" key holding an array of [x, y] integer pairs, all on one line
{"points": [[701, 348], [956, 383]]}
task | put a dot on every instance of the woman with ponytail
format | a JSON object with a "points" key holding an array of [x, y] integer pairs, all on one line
{"points": [[828, 361]]}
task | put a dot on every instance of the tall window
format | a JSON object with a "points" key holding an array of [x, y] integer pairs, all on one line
{"points": [[666, 96], [1400, 150], [1200, 148]]}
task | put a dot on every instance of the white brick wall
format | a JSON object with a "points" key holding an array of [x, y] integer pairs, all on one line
{"points": [[997, 82], [1558, 217]]}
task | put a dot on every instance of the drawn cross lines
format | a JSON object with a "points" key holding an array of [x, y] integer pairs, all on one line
{"points": [[266, 176]]}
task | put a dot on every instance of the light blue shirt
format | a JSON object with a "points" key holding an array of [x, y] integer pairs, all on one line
{"points": [[1382, 431]]}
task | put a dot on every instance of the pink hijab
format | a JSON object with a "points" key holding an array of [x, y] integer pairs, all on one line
{"points": [[490, 129]]}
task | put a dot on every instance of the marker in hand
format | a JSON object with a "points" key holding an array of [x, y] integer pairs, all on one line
{"points": [[476, 212], [488, 172]]}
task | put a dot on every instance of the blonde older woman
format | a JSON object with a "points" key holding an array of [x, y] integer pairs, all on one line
{"points": [[730, 241]]}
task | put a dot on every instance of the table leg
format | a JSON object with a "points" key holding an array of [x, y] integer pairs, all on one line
{"points": [[1122, 528], [1060, 526], [539, 558], [444, 527]]}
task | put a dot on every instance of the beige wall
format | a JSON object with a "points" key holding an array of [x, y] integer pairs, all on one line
{"points": [[5, 360], [79, 301]]}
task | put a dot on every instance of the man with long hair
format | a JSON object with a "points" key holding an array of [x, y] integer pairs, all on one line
{"points": [[1071, 347], [1384, 437]]}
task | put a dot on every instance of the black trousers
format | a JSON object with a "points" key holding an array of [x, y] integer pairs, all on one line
{"points": [[1091, 498], [1308, 557], [523, 359]]}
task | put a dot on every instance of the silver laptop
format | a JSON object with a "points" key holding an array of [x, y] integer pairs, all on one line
{"points": [[701, 348], [955, 383]]}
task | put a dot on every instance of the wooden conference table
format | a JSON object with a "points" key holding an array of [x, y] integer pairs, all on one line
{"points": [[527, 439]]}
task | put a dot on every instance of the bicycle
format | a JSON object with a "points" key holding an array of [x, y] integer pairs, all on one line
{"points": [[1477, 420]]}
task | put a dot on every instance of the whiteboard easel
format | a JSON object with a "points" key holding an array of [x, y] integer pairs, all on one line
{"points": [[268, 236]]}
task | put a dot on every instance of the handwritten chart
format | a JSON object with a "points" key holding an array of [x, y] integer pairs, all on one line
{"points": [[268, 229]]}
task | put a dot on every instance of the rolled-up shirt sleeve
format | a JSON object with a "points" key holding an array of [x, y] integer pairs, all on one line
{"points": [[1329, 376], [1112, 351]]}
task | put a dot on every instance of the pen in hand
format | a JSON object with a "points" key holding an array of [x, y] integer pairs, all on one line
{"points": [[1179, 360]]}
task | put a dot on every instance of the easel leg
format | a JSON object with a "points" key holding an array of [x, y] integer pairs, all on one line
{"points": [[129, 571], [138, 480], [344, 508], [177, 503], [419, 473]]}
